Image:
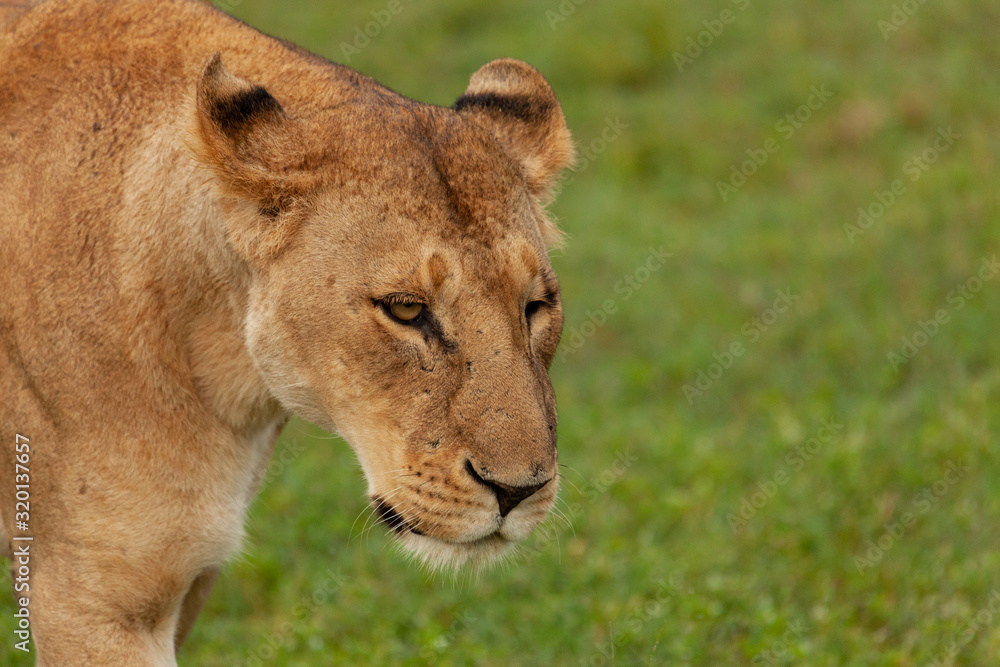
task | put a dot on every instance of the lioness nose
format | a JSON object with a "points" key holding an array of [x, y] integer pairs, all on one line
{"points": [[508, 496]]}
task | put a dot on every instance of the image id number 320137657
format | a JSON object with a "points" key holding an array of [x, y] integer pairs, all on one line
{"points": [[22, 540]]}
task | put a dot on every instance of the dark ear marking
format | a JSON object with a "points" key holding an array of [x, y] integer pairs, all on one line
{"points": [[551, 296], [522, 108], [233, 113], [233, 106]]}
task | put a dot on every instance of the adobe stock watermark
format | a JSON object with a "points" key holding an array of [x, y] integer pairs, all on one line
{"points": [[632, 624], [967, 631], [565, 9], [913, 168], [269, 647], [364, 34], [751, 331], [901, 13], [796, 459], [281, 459], [786, 127], [696, 44], [228, 5], [779, 650], [626, 288], [957, 298], [591, 150], [923, 502], [20, 544]]}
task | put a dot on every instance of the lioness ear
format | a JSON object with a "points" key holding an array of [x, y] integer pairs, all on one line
{"points": [[516, 104], [244, 135]]}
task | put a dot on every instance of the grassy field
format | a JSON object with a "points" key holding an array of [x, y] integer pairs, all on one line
{"points": [[782, 439]]}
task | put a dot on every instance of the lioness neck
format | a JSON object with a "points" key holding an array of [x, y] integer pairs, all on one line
{"points": [[203, 320]]}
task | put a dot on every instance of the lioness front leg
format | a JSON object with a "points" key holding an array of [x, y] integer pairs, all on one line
{"points": [[195, 599], [73, 625], [103, 600]]}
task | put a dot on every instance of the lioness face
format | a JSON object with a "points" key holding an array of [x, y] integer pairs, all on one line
{"points": [[411, 307]]}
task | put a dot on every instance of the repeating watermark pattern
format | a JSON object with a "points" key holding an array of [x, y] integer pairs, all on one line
{"points": [[269, 647], [632, 624], [577, 336], [780, 649], [228, 5], [20, 562], [363, 35], [956, 298], [923, 502], [441, 643], [565, 9], [290, 450], [968, 630], [751, 331], [589, 151], [695, 45], [796, 459], [591, 491], [901, 13], [913, 168], [596, 487], [786, 128]]}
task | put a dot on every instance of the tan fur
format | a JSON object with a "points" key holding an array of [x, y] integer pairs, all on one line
{"points": [[203, 228]]}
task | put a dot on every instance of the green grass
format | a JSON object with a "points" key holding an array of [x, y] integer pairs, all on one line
{"points": [[651, 562]]}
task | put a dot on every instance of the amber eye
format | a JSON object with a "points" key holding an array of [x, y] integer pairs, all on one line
{"points": [[406, 312]]}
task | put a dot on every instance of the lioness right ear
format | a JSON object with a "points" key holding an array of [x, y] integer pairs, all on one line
{"points": [[516, 104], [245, 137]]}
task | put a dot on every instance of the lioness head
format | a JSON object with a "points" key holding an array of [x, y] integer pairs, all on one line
{"points": [[401, 290]]}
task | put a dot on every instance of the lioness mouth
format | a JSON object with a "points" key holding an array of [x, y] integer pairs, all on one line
{"points": [[391, 518]]}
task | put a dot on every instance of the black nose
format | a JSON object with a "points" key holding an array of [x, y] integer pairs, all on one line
{"points": [[508, 496]]}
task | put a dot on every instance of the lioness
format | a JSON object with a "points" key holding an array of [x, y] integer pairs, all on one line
{"points": [[205, 230]]}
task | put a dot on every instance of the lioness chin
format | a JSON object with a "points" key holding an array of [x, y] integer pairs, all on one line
{"points": [[206, 230]]}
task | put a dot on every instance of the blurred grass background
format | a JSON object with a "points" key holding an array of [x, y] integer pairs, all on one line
{"points": [[658, 566]]}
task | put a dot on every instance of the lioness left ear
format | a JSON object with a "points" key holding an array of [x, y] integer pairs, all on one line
{"points": [[516, 104], [244, 135]]}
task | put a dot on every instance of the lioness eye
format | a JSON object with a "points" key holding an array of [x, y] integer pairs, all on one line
{"points": [[406, 312]]}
